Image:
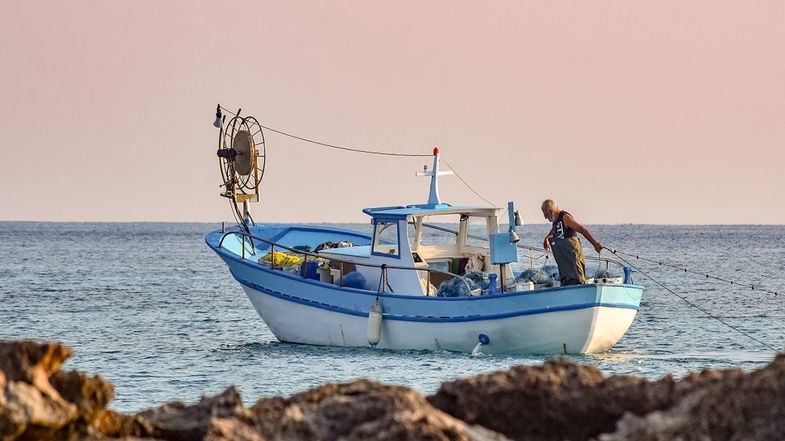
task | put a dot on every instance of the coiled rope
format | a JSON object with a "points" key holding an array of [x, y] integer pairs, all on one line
{"points": [[709, 314]]}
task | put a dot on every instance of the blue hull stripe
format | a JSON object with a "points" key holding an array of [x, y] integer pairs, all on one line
{"points": [[429, 319]]}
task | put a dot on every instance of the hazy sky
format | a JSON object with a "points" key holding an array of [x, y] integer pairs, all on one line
{"points": [[623, 111]]}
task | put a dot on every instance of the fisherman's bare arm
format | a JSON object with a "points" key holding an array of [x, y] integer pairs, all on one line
{"points": [[570, 222], [547, 242]]}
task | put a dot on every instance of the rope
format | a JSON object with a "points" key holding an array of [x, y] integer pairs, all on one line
{"points": [[467, 185], [370, 152], [333, 146], [709, 314], [687, 270]]}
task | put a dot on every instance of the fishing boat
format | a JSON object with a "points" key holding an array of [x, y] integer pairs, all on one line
{"points": [[398, 287]]}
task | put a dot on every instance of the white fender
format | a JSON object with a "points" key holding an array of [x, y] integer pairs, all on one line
{"points": [[375, 324]]}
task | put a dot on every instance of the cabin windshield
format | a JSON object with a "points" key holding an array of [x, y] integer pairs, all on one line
{"points": [[385, 240], [438, 236], [450, 242], [477, 232]]}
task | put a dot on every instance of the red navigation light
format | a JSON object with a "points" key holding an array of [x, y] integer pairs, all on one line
{"points": [[436, 150]]}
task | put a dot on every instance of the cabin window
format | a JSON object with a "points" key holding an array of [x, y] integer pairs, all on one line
{"points": [[438, 236], [385, 239], [477, 229]]}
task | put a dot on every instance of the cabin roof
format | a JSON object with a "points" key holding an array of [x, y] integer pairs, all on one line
{"points": [[403, 212]]}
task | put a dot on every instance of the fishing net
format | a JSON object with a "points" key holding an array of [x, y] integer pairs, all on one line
{"points": [[534, 275], [281, 259], [603, 273], [457, 287], [552, 271], [479, 278]]}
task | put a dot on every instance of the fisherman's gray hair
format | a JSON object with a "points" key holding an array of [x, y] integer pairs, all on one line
{"points": [[549, 204]]}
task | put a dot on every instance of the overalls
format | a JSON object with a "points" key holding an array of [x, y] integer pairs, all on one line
{"points": [[568, 252]]}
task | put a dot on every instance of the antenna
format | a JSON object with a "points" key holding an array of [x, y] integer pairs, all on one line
{"points": [[433, 196]]}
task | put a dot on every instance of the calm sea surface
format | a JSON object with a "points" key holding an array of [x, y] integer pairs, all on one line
{"points": [[152, 309]]}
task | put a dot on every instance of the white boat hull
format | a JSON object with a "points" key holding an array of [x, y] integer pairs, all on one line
{"points": [[298, 309], [586, 330]]}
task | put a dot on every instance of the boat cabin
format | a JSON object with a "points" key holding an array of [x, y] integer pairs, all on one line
{"points": [[415, 236]]}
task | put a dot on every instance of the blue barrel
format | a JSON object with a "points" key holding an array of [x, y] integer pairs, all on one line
{"points": [[309, 270]]}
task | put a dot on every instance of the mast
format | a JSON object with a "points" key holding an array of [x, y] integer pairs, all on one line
{"points": [[434, 173]]}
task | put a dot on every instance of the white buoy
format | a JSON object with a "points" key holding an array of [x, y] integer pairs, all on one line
{"points": [[375, 324]]}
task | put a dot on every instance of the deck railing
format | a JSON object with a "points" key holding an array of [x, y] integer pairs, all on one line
{"points": [[383, 268], [383, 279]]}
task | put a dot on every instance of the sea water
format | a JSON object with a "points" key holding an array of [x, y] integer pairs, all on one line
{"points": [[152, 309]]}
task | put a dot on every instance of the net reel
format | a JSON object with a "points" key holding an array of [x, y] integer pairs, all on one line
{"points": [[241, 157]]}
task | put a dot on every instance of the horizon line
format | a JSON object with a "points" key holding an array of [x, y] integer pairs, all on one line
{"points": [[346, 222]]}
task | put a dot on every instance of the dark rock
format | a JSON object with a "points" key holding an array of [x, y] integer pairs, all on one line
{"points": [[90, 394], [719, 405], [37, 401], [361, 410], [556, 401], [32, 363], [29, 406], [222, 417]]}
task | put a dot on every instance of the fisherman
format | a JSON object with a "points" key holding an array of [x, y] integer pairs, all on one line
{"points": [[564, 242]]}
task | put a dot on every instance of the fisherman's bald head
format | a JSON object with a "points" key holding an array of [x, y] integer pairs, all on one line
{"points": [[550, 209]]}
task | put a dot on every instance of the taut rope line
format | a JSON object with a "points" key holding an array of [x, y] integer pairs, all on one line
{"points": [[709, 314], [469, 186], [687, 270]]}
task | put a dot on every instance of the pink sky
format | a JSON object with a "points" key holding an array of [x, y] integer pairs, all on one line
{"points": [[666, 112]]}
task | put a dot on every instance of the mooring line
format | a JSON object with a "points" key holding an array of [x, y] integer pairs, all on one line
{"points": [[709, 314]]}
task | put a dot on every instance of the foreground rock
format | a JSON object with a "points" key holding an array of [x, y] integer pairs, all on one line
{"points": [[735, 406], [361, 410], [555, 401], [40, 402], [561, 400]]}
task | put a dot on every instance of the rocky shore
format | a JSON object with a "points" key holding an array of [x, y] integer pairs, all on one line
{"points": [[555, 401]]}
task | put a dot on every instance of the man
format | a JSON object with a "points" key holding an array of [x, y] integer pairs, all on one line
{"points": [[566, 246]]}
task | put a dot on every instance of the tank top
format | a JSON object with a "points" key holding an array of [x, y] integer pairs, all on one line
{"points": [[559, 229]]}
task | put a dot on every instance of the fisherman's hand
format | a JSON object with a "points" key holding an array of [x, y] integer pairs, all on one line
{"points": [[546, 244], [598, 247]]}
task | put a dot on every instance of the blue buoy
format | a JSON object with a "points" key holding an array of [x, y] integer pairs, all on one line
{"points": [[627, 275], [484, 340], [353, 280], [491, 285]]}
